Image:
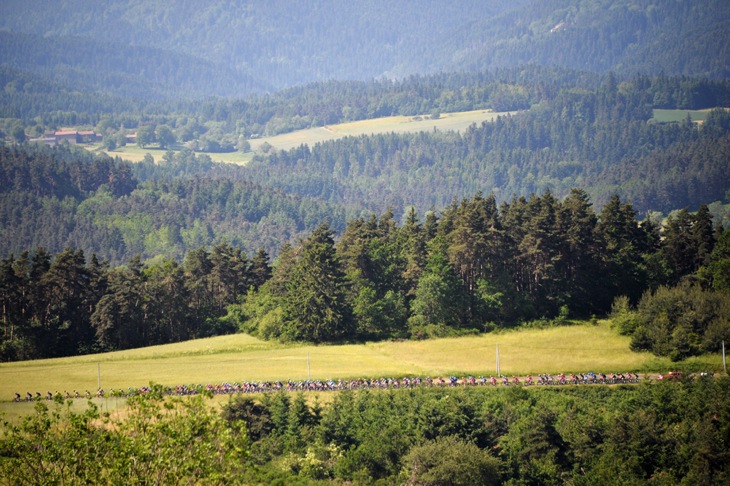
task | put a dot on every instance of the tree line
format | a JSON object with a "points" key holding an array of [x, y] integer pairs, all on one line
{"points": [[475, 266], [68, 304], [602, 140], [37, 103]]}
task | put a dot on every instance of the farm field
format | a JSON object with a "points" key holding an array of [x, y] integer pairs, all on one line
{"points": [[457, 121], [666, 116], [244, 358]]}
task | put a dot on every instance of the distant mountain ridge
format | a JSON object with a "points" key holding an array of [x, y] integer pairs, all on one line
{"points": [[229, 48]]}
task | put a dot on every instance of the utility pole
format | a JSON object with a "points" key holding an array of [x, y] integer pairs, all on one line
{"points": [[498, 374]]}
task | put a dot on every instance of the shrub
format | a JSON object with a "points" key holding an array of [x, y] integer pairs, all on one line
{"points": [[449, 460]]}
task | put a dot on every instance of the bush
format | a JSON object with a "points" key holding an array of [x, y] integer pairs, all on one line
{"points": [[622, 317], [678, 322], [449, 460]]}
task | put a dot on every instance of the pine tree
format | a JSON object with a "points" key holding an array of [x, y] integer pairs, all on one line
{"points": [[260, 269], [703, 235], [316, 308], [580, 252], [439, 299], [622, 243], [679, 246]]}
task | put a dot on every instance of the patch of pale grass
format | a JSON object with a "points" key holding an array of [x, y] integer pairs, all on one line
{"points": [[570, 348], [457, 121], [240, 357], [697, 116], [135, 153]]}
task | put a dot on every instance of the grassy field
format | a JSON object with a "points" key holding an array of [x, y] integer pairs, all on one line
{"points": [[244, 358], [458, 121], [665, 116], [399, 124], [134, 153]]}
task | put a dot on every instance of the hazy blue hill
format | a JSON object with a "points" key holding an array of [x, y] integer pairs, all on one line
{"points": [[651, 37], [219, 47], [131, 71]]}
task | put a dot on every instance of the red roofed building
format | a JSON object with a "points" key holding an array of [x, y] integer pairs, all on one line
{"points": [[68, 135], [74, 136]]}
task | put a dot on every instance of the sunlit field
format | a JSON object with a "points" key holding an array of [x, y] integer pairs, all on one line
{"points": [[244, 358], [578, 348], [135, 153], [458, 121]]}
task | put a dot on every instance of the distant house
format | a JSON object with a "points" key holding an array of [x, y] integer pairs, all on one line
{"points": [[88, 136], [67, 136], [70, 136]]}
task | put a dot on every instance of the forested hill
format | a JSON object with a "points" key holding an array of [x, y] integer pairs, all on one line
{"points": [[60, 197], [603, 140], [221, 46]]}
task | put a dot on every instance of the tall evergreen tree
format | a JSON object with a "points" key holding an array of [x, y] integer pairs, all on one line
{"points": [[623, 243], [119, 319], [679, 245], [580, 252], [316, 307], [703, 235], [260, 269], [439, 299]]}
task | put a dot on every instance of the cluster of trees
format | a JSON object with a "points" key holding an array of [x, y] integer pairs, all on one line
{"points": [[669, 432], [67, 305], [631, 435], [475, 266], [173, 442], [678, 322], [689, 318], [60, 197]]}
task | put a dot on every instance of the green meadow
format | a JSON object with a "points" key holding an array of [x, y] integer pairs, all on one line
{"points": [[135, 153], [666, 116], [240, 357]]}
